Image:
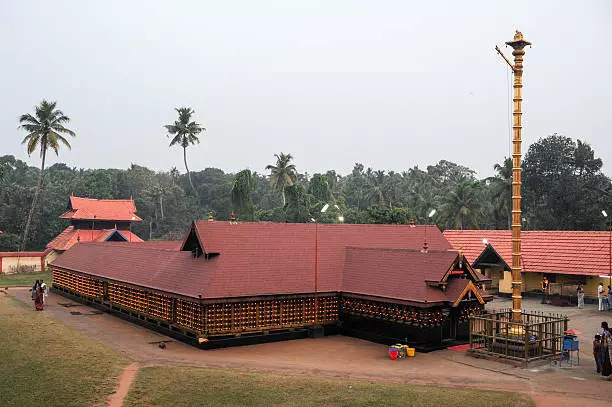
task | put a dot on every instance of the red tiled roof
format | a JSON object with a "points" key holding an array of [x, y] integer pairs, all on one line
{"points": [[172, 271], [255, 258], [395, 273], [258, 255], [159, 244], [101, 209], [562, 252], [71, 236], [22, 254]]}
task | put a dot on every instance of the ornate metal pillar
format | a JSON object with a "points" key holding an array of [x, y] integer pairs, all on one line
{"points": [[518, 44]]}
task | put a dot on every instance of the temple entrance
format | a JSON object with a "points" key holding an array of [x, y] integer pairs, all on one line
{"points": [[449, 325]]}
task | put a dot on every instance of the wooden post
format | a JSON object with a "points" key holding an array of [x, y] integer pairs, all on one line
{"points": [[471, 327]]}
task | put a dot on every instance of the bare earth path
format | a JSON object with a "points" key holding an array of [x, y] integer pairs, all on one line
{"points": [[351, 358], [125, 382]]}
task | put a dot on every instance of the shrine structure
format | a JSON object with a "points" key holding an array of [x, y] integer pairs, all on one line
{"points": [[234, 283], [95, 220]]}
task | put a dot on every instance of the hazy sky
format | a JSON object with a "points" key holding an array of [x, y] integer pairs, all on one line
{"points": [[390, 84]]}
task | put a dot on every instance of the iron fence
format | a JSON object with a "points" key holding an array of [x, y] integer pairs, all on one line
{"points": [[539, 335]]}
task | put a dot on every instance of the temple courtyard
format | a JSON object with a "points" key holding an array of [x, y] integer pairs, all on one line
{"points": [[358, 372]]}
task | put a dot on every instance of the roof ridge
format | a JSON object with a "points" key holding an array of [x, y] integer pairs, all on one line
{"points": [[127, 246], [223, 221], [400, 249], [103, 199]]}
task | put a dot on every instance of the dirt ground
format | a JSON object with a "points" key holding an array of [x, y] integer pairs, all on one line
{"points": [[350, 358]]}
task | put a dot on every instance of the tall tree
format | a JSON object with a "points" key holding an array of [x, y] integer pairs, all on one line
{"points": [[297, 208], [501, 190], [242, 194], [185, 132], [282, 174], [562, 183], [44, 130], [319, 188], [461, 207]]}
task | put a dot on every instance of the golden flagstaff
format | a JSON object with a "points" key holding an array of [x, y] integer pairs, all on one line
{"points": [[518, 44]]}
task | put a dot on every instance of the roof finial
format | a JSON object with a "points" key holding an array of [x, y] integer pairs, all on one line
{"points": [[411, 223]]}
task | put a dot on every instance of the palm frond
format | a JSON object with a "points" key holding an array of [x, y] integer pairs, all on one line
{"points": [[61, 129], [32, 144], [28, 119]]}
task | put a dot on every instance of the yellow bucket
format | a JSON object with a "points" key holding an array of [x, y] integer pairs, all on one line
{"points": [[410, 352]]}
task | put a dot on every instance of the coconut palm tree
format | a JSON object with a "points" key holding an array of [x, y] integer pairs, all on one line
{"points": [[185, 132], [282, 174], [461, 206], [45, 131]]}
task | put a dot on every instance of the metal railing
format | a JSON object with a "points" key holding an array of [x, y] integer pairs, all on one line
{"points": [[539, 335]]}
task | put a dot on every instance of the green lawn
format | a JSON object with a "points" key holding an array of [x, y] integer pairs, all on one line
{"points": [[24, 279], [192, 386], [45, 363]]}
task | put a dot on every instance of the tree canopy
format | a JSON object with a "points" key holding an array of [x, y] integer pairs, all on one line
{"points": [[563, 188]]}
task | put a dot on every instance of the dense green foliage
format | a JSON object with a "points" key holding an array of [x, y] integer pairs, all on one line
{"points": [[563, 188]]}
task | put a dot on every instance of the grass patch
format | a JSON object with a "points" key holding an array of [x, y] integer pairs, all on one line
{"points": [[193, 386], [46, 363], [24, 279]]}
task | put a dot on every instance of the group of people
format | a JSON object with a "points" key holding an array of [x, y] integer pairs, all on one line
{"points": [[605, 298], [601, 350], [40, 291]]}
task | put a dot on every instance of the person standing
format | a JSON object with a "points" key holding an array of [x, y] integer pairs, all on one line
{"points": [[580, 295], [600, 296], [45, 291], [609, 298], [597, 352], [34, 289], [545, 285], [38, 298], [606, 341]]}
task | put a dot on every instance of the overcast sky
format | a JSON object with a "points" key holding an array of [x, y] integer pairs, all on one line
{"points": [[390, 84]]}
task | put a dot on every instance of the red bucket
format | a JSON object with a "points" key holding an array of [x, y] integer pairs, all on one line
{"points": [[393, 352]]}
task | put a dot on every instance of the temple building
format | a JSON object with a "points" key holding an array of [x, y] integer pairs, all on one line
{"points": [[566, 258], [95, 220], [234, 283]]}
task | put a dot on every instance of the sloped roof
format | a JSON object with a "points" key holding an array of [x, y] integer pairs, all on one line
{"points": [[395, 273], [550, 251], [101, 209], [71, 236], [263, 252], [274, 259], [159, 244], [172, 271]]}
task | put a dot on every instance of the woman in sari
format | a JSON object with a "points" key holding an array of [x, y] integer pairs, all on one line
{"points": [[38, 297], [606, 341], [580, 295]]}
